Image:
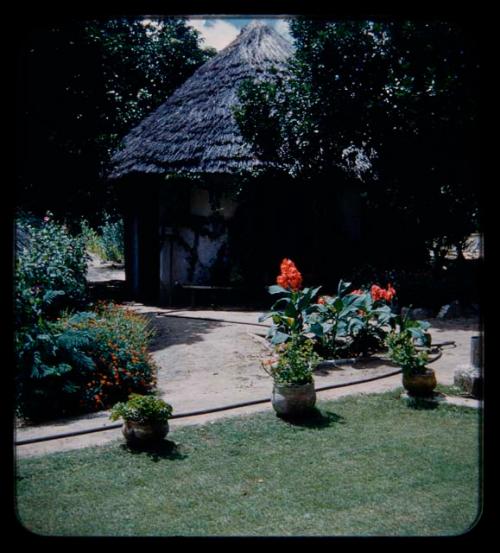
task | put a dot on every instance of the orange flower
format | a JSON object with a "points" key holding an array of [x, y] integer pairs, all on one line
{"points": [[390, 293], [376, 292], [290, 276], [381, 294]]}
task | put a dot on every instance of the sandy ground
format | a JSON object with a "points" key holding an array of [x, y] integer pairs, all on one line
{"points": [[210, 363]]}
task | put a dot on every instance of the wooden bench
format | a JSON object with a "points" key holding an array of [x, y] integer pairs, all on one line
{"points": [[194, 289]]}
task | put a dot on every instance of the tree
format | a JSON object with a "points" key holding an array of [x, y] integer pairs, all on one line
{"points": [[389, 107], [81, 86]]}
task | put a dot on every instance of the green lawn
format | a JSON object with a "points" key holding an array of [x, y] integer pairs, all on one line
{"points": [[366, 465]]}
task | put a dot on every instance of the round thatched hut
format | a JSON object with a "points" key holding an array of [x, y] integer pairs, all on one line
{"points": [[179, 173], [172, 164]]}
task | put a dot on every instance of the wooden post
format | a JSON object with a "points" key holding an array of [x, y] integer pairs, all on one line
{"points": [[476, 352]]}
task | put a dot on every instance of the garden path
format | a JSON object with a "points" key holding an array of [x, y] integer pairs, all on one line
{"points": [[209, 363]]}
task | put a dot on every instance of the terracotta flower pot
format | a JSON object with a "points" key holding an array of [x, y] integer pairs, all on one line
{"points": [[136, 433], [421, 384], [291, 400]]}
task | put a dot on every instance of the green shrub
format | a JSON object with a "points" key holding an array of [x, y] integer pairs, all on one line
{"points": [[107, 242], [50, 272], [92, 240], [83, 362], [112, 239], [295, 363], [143, 410]]}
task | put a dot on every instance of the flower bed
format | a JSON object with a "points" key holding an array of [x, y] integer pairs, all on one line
{"points": [[85, 362]]}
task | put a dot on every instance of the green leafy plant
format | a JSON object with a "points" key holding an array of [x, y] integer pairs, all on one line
{"points": [[403, 352], [290, 313], [112, 239], [418, 330], [402, 344], [50, 272], [142, 409], [107, 241], [295, 363]]}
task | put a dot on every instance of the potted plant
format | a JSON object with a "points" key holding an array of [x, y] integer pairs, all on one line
{"points": [[292, 371], [418, 380], [145, 418]]}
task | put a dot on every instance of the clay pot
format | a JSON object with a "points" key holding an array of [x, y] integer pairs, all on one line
{"points": [[136, 433], [290, 400], [421, 384]]}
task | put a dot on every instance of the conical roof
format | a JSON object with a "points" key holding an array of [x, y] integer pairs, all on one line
{"points": [[194, 130]]}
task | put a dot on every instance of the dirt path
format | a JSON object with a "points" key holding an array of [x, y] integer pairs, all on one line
{"points": [[104, 271], [209, 363]]}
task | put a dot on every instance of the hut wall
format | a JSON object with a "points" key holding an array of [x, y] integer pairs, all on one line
{"points": [[192, 240]]}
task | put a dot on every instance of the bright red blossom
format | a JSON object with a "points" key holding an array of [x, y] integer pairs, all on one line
{"points": [[381, 294], [290, 276]]}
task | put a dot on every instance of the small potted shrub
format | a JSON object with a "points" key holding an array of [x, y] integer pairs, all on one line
{"points": [[145, 418], [418, 380], [292, 371]]}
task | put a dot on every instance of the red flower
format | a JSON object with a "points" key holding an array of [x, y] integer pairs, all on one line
{"points": [[381, 294], [376, 292], [358, 292], [290, 276]]}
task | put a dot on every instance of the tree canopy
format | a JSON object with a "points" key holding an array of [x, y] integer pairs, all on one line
{"points": [[82, 85], [390, 107]]}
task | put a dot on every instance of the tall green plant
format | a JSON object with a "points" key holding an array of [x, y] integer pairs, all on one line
{"points": [[50, 272], [291, 313]]}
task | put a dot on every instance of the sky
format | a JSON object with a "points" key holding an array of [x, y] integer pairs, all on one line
{"points": [[219, 32]]}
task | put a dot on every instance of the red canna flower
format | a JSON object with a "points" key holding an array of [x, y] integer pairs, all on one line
{"points": [[376, 292], [381, 294], [358, 292], [290, 276], [390, 293]]}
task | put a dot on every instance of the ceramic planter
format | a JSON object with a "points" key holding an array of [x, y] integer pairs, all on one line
{"points": [[136, 433], [291, 400], [421, 384]]}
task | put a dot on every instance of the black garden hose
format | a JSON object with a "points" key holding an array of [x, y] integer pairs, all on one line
{"points": [[216, 409], [195, 413]]}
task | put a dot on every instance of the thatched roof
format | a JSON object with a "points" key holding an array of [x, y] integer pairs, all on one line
{"points": [[194, 130]]}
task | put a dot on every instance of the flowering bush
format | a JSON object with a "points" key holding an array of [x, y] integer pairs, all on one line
{"points": [[350, 323], [142, 409], [84, 362]]}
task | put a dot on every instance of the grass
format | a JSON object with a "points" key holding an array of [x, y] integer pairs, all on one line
{"points": [[362, 466]]}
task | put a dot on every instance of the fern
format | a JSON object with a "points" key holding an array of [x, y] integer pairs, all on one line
{"points": [[51, 295], [72, 339]]}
